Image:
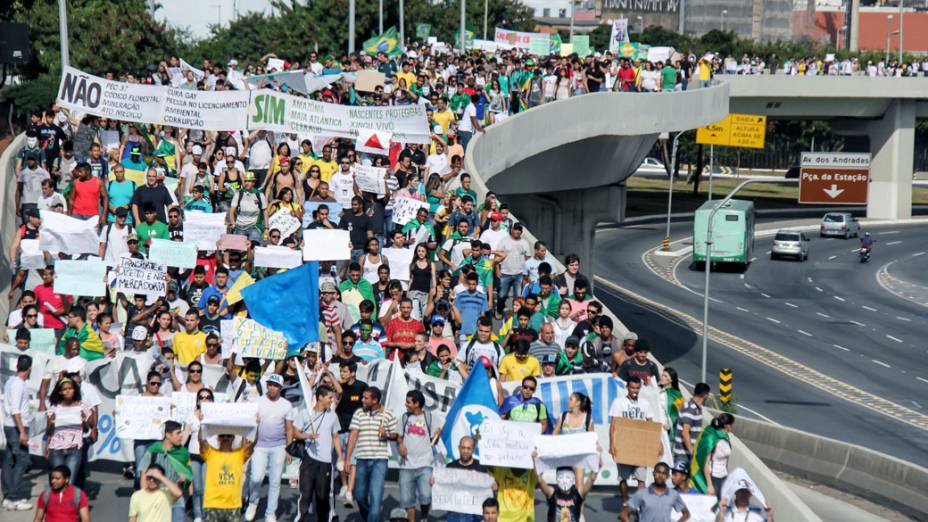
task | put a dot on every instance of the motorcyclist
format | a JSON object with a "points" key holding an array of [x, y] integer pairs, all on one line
{"points": [[866, 242]]}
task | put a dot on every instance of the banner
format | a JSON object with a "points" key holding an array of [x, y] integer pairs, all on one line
{"points": [[31, 255], [140, 417], [182, 405], [141, 276], [253, 340], [277, 257], [371, 179], [178, 254], [326, 245], [284, 222], [519, 39], [581, 44], [204, 229], [206, 110], [460, 490], [404, 209], [239, 418], [83, 278], [619, 34], [508, 444], [61, 233], [82, 93], [40, 339], [571, 450], [539, 46]]}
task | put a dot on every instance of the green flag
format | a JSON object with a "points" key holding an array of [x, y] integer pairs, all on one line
{"points": [[705, 445], [388, 43], [581, 45], [423, 30]]}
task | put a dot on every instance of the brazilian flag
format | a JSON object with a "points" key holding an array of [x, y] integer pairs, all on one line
{"points": [[468, 38], [705, 445], [555, 40], [388, 43]]}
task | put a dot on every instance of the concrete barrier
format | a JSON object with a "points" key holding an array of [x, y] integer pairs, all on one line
{"points": [[875, 476], [8, 223]]}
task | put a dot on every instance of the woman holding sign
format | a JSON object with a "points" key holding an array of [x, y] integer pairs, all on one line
{"points": [[66, 420]]}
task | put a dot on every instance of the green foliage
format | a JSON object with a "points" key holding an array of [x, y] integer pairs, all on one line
{"points": [[34, 95]]}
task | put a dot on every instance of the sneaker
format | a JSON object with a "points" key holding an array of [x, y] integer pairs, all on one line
{"points": [[349, 500], [24, 505], [270, 518], [251, 512], [128, 472], [8, 504], [342, 492], [198, 519]]}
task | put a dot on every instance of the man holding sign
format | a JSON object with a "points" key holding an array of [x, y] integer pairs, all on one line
{"points": [[629, 407]]}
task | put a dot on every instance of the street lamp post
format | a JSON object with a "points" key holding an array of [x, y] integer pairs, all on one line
{"points": [[461, 29], [724, 12], [63, 33], [351, 26], [571, 21], [901, 4], [708, 269], [673, 167], [889, 20], [485, 11], [379, 16], [640, 26], [402, 30]]}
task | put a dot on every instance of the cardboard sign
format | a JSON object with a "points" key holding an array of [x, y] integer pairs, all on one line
{"points": [[233, 242], [460, 490], [284, 222], [140, 417], [141, 276], [637, 443], [84, 278], [508, 443], [367, 80]]}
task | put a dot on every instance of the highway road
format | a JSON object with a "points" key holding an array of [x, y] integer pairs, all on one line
{"points": [[856, 365]]}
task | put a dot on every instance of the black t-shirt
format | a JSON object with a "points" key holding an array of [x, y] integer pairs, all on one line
{"points": [[377, 212], [175, 232], [594, 77], [582, 329], [341, 361], [50, 138], [159, 196], [565, 502], [195, 292], [645, 371], [474, 466], [208, 325], [349, 403], [357, 227]]}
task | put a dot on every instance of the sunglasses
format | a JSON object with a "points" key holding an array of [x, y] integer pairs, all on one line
{"points": [[529, 388], [154, 383], [194, 371], [32, 315]]}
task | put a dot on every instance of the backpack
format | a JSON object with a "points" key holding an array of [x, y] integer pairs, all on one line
{"points": [[470, 344], [428, 423], [47, 495], [106, 236], [241, 389]]}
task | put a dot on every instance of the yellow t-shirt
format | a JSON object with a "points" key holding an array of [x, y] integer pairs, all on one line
{"points": [[704, 72], [444, 118], [408, 76], [222, 482], [327, 169], [188, 347], [516, 494], [516, 370], [151, 506]]}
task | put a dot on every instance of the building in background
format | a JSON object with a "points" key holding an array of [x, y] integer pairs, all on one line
{"points": [[824, 22], [551, 15]]}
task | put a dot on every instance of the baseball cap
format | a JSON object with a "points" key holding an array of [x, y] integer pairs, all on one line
{"points": [[249, 176], [139, 333], [276, 379], [122, 212], [549, 359], [437, 319], [196, 149], [213, 299], [681, 467], [328, 286], [630, 336], [495, 216], [132, 237], [572, 340]]}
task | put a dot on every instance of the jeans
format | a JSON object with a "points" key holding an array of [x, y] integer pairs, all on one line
{"points": [[419, 302], [262, 460], [368, 487], [414, 485], [315, 486], [81, 479], [507, 283], [70, 457], [464, 517], [465, 138], [13, 463], [199, 470]]}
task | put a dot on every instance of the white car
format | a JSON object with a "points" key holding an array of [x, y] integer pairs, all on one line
{"points": [[790, 243], [651, 166]]}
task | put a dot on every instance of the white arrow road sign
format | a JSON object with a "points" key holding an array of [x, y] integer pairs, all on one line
{"points": [[834, 191]]}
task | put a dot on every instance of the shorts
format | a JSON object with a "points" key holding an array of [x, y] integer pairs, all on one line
{"points": [[628, 473], [222, 515], [414, 484], [344, 438]]}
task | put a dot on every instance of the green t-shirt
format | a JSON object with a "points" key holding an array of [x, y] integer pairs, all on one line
{"points": [[528, 413], [668, 78], [148, 232]]}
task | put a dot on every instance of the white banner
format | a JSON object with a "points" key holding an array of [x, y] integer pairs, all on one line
{"points": [[284, 222], [404, 209], [278, 257], [182, 405], [460, 490], [571, 450], [371, 179], [204, 229], [83, 93], [84, 277], [517, 39], [507, 443], [141, 276], [207, 110], [235, 418], [61, 233], [326, 245], [140, 417]]}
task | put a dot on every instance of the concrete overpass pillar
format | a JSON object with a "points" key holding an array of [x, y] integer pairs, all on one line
{"points": [[892, 143]]}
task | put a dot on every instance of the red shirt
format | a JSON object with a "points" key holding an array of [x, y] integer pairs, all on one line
{"points": [[86, 197], [400, 331], [46, 294], [61, 506]]}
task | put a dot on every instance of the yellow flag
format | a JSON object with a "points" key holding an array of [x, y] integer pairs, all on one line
{"points": [[234, 294]]}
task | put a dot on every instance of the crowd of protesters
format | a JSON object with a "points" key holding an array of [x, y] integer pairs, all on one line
{"points": [[478, 295]]}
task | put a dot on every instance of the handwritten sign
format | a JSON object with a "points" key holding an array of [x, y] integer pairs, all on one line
{"points": [[253, 340], [326, 245], [371, 179], [508, 443], [278, 257], [173, 253], [233, 242], [84, 277], [284, 222], [182, 405], [460, 490], [404, 209], [204, 229], [140, 417], [141, 276]]}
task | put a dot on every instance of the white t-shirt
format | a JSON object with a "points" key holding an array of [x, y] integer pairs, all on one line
{"points": [[456, 251], [493, 237], [631, 409], [516, 252], [271, 428], [261, 153], [436, 163], [117, 245], [720, 459], [15, 401], [342, 186], [478, 349], [465, 125], [16, 319]]}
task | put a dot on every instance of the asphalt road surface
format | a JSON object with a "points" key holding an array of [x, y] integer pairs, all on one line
{"points": [[828, 314]]}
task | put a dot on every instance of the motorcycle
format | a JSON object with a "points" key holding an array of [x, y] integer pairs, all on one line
{"points": [[863, 254]]}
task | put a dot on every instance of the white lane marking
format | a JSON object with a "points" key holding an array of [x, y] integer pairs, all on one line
{"points": [[832, 257], [714, 300], [819, 289], [820, 314], [753, 259], [838, 346], [917, 405], [747, 285], [922, 379], [870, 308], [918, 254], [809, 279], [768, 252], [903, 318], [858, 323], [898, 340], [891, 243], [791, 305], [881, 363], [772, 320], [743, 309], [805, 333], [765, 295], [889, 233], [855, 250], [840, 298]]}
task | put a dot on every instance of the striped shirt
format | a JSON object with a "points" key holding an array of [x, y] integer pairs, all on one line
{"points": [[369, 445], [690, 414]]}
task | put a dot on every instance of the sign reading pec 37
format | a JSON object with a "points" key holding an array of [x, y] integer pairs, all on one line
{"points": [[834, 178]]}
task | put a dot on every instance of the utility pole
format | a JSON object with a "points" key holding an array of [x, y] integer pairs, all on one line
{"points": [[901, 4], [485, 9], [350, 26], [461, 29], [402, 31], [681, 24], [63, 33], [571, 21], [853, 25]]}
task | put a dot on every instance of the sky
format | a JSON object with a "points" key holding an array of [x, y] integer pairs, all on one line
{"points": [[197, 15]]}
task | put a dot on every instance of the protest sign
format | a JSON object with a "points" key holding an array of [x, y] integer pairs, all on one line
{"points": [[139, 417], [206, 110], [368, 80], [659, 54], [460, 490], [234, 294], [326, 245], [335, 210], [519, 39], [619, 34], [204, 229], [571, 450], [253, 340], [739, 479], [399, 260], [61, 233], [233, 242], [404, 209], [141, 276], [508, 443], [637, 442], [42, 339], [182, 405], [238, 418], [31, 255], [539, 46], [567, 49], [701, 507], [581, 45], [227, 334], [83, 93], [284, 222], [371, 179], [173, 253], [84, 278], [278, 257]]}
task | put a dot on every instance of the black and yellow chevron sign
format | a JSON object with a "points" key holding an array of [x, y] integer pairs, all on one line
{"points": [[725, 385]]}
